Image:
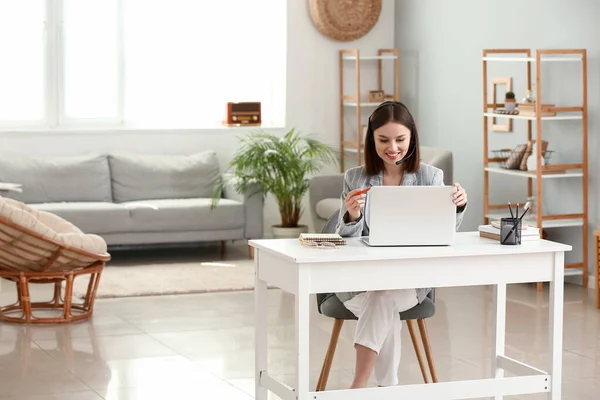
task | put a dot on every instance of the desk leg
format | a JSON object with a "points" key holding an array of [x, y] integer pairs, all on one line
{"points": [[260, 330], [556, 326], [499, 304], [302, 336]]}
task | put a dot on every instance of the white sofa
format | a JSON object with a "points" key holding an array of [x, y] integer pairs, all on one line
{"points": [[135, 199]]}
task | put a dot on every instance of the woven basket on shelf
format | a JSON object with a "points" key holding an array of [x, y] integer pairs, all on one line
{"points": [[501, 156], [344, 20]]}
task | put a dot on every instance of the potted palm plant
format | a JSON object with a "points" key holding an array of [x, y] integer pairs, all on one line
{"points": [[279, 166]]}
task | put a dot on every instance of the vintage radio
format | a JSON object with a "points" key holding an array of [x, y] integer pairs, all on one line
{"points": [[376, 96], [243, 113]]}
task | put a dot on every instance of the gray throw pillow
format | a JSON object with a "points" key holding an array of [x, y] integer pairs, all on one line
{"points": [[57, 179], [153, 176]]}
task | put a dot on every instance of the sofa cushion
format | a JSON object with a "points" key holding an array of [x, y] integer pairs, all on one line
{"points": [[55, 179], [326, 207], [149, 176], [91, 217], [31, 254], [169, 215]]}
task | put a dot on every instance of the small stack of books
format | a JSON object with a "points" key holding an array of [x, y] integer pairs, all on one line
{"points": [[528, 233]]}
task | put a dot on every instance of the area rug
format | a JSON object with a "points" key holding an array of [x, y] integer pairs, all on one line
{"points": [[171, 278]]}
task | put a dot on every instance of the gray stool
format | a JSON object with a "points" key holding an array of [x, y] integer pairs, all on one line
{"points": [[329, 305]]}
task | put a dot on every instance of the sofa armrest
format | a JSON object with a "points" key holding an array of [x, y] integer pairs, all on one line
{"points": [[323, 187], [253, 209]]}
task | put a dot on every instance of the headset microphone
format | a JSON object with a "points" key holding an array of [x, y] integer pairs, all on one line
{"points": [[407, 157]]}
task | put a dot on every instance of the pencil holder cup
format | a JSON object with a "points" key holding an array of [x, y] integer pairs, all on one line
{"points": [[510, 231]]}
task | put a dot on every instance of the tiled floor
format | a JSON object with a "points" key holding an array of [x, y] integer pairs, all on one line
{"points": [[201, 346]]}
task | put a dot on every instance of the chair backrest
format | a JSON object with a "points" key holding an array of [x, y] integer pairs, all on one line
{"points": [[25, 250], [331, 223], [39, 241]]}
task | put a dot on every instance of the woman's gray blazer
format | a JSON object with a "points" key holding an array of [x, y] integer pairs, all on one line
{"points": [[357, 178]]}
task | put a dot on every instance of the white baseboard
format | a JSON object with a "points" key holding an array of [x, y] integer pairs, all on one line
{"points": [[576, 280]]}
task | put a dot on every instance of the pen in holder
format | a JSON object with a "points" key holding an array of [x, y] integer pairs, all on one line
{"points": [[510, 231]]}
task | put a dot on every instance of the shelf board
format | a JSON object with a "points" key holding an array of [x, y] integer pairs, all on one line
{"points": [[352, 147], [531, 174], [573, 271], [362, 104], [556, 223], [569, 116], [532, 59], [366, 58]]}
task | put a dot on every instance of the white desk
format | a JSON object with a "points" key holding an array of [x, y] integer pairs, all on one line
{"points": [[284, 263]]}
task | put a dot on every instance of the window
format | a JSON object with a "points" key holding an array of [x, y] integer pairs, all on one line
{"points": [[139, 63], [90, 60], [22, 69]]}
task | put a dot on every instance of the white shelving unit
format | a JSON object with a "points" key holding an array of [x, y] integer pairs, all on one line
{"points": [[356, 102], [543, 172]]}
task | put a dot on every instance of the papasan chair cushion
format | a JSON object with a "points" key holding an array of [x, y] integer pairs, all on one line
{"points": [[47, 225]]}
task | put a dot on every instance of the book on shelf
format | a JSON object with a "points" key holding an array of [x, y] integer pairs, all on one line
{"points": [[322, 237], [492, 232]]}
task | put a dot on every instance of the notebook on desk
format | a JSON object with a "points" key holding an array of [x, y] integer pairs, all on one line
{"points": [[322, 237]]}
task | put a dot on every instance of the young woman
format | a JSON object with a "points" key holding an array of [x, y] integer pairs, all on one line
{"points": [[391, 136]]}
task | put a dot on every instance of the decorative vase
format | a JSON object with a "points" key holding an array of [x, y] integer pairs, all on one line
{"points": [[509, 104], [280, 232]]}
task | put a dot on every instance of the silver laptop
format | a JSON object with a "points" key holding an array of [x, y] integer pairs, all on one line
{"points": [[411, 216]]}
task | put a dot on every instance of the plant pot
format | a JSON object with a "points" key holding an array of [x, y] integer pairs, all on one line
{"points": [[509, 104], [280, 232]]}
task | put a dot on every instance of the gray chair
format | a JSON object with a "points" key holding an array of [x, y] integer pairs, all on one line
{"points": [[329, 305]]}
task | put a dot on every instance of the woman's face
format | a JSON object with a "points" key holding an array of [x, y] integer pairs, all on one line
{"points": [[391, 142]]}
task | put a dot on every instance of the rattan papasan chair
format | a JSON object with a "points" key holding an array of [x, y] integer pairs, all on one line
{"points": [[38, 247]]}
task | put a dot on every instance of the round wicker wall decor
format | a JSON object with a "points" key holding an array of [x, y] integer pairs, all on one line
{"points": [[344, 20]]}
